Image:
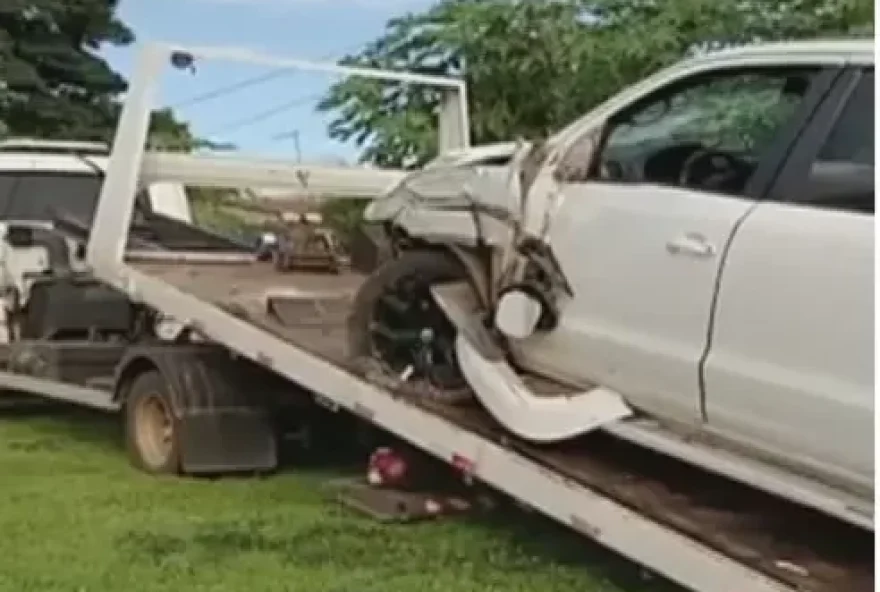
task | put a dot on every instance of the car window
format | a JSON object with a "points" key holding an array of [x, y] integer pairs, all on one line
{"points": [[707, 133], [8, 181], [42, 195], [842, 176], [852, 138]]}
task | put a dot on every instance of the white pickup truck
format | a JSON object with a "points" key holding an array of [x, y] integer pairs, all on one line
{"points": [[694, 258]]}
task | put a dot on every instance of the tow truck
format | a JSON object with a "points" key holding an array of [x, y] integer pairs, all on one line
{"points": [[202, 348]]}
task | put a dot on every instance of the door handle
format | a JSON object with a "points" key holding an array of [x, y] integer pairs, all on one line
{"points": [[693, 244]]}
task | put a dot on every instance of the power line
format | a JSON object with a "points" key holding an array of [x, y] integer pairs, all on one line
{"points": [[245, 83], [230, 88], [253, 119], [263, 115]]}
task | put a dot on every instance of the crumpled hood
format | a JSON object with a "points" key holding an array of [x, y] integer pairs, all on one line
{"points": [[450, 185]]}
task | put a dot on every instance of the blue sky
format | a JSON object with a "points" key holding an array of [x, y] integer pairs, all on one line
{"points": [[307, 29]]}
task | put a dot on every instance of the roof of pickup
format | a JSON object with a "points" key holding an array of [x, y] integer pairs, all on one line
{"points": [[859, 50], [68, 156]]}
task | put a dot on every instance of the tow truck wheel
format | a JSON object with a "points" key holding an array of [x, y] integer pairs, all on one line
{"points": [[150, 425], [395, 324]]}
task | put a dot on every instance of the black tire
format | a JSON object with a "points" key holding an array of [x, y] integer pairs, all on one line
{"points": [[422, 268], [151, 427]]}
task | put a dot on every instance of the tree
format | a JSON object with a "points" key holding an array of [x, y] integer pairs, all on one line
{"points": [[534, 65], [55, 84], [169, 133]]}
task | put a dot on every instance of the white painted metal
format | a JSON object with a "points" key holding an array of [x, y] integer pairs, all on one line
{"points": [[659, 548], [115, 206], [763, 476], [454, 125], [129, 168], [68, 393], [530, 417], [504, 394], [638, 320], [497, 153], [207, 170], [232, 258], [453, 122], [644, 261], [170, 199], [42, 146], [799, 384]]}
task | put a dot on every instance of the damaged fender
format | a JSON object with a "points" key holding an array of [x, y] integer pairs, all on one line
{"points": [[453, 201], [504, 394]]}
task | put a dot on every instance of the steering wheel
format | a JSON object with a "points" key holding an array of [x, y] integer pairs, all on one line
{"points": [[710, 168]]}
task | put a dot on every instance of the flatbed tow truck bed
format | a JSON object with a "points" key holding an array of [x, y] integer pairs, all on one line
{"points": [[677, 519]]}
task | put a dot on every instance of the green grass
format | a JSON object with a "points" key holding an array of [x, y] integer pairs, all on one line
{"points": [[74, 517]]}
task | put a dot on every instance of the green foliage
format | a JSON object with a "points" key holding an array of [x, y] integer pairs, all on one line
{"points": [[533, 66], [227, 213], [344, 216], [169, 133], [55, 83], [210, 212]]}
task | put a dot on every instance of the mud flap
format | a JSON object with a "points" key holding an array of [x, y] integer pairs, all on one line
{"points": [[221, 405], [226, 440], [504, 394]]}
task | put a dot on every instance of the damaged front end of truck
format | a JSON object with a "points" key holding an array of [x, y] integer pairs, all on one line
{"points": [[484, 212], [494, 221]]}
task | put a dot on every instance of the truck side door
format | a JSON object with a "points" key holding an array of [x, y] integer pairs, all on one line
{"points": [[790, 369], [641, 237]]}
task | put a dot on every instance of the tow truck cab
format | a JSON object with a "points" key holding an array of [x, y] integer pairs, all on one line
{"points": [[33, 171], [48, 194]]}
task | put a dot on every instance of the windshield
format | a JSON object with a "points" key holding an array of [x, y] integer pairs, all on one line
{"points": [[41, 195]]}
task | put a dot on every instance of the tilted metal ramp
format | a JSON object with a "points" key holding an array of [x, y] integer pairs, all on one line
{"points": [[701, 530]]}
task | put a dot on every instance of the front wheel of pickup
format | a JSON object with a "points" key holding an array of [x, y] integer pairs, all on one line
{"points": [[396, 325]]}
